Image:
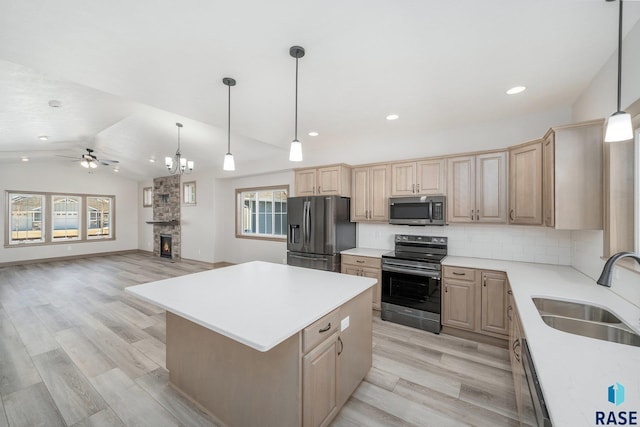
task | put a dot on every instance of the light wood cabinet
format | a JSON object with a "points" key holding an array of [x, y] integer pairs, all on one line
{"points": [[477, 188], [370, 193], [572, 176], [422, 177], [525, 184], [320, 383], [494, 302], [475, 300], [357, 265], [328, 180]]}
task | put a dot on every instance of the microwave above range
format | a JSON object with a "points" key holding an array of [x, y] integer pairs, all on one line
{"points": [[423, 210]]}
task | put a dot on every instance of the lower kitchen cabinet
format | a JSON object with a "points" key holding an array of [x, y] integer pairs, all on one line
{"points": [[357, 265], [475, 300], [320, 383]]}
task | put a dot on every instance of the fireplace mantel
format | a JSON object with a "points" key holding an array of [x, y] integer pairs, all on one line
{"points": [[163, 222]]}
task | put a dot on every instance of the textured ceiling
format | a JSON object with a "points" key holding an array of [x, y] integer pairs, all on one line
{"points": [[125, 72]]}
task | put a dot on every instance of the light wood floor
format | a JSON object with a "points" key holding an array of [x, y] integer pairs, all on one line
{"points": [[76, 350]]}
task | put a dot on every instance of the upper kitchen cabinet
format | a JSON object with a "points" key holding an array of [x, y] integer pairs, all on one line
{"points": [[525, 183], [422, 177], [370, 193], [572, 176], [333, 180], [477, 188]]}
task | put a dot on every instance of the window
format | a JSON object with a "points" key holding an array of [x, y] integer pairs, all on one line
{"points": [[98, 217], [51, 218], [147, 197], [262, 212], [65, 221], [189, 193], [25, 218]]}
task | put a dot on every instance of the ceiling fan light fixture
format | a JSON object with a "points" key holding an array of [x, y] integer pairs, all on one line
{"points": [[84, 163], [619, 127], [295, 151], [229, 164]]}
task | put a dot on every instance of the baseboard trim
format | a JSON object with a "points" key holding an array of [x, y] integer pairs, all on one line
{"points": [[67, 258], [486, 339]]}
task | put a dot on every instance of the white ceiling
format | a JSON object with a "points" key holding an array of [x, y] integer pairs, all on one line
{"points": [[126, 72]]}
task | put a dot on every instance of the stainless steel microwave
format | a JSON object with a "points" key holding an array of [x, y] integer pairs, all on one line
{"points": [[423, 210]]}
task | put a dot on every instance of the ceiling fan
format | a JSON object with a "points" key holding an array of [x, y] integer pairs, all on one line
{"points": [[90, 161]]}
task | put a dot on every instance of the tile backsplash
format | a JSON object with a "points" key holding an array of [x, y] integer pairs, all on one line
{"points": [[512, 243]]}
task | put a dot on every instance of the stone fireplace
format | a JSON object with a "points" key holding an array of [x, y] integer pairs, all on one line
{"points": [[166, 217]]}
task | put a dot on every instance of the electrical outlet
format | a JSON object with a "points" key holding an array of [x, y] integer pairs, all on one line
{"points": [[344, 324]]}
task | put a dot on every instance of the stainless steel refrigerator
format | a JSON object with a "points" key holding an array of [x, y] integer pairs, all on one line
{"points": [[318, 229]]}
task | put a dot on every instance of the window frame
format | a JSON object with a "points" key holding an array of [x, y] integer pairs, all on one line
{"points": [[185, 185], [110, 218], [147, 197], [239, 213], [80, 217], [48, 223]]}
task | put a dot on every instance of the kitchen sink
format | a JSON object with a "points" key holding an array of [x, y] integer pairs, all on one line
{"points": [[601, 331], [585, 320], [574, 310]]}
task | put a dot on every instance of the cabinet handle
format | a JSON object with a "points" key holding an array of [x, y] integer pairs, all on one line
{"points": [[446, 289], [417, 188], [318, 189], [413, 188], [484, 281], [325, 329], [360, 261], [459, 274], [478, 215], [511, 214], [509, 313], [471, 214], [510, 292], [516, 344], [341, 346]]}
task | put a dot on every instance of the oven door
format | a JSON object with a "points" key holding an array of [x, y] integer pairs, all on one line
{"points": [[417, 290]]}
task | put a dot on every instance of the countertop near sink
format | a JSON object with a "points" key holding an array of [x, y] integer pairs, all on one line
{"points": [[575, 372], [370, 252]]}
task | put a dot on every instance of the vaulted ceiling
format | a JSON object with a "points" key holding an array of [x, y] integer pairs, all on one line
{"points": [[125, 72]]}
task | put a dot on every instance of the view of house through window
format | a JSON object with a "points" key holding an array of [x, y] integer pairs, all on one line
{"points": [[25, 217], [45, 218], [262, 212], [66, 217]]}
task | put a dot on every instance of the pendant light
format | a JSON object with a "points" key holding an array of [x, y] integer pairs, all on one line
{"points": [[619, 126], [229, 164], [295, 153], [178, 163]]}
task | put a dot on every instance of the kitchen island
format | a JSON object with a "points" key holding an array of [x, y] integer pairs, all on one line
{"points": [[266, 344]]}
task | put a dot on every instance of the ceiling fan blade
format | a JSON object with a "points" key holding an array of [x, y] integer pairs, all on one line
{"points": [[67, 157], [108, 162]]}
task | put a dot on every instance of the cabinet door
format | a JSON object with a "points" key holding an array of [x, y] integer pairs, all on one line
{"points": [[491, 187], [360, 194], [458, 304], [377, 290], [403, 179], [548, 180], [461, 189], [525, 184], [494, 303], [320, 384], [430, 176], [328, 180], [379, 193], [305, 181]]}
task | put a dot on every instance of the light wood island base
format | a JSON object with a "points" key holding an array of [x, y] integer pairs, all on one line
{"points": [[303, 381]]}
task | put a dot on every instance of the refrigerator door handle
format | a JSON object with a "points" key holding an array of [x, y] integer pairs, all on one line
{"points": [[307, 222]]}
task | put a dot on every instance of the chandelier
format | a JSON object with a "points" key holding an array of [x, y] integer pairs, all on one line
{"points": [[177, 163]]}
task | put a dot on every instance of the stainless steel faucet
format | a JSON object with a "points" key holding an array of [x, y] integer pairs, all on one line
{"points": [[607, 271]]}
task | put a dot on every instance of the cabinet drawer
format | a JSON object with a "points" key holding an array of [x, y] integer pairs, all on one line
{"points": [[361, 261], [320, 330], [459, 273]]}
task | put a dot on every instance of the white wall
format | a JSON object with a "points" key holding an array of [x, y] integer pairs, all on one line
{"points": [[227, 246], [48, 177], [599, 100], [511, 243]]}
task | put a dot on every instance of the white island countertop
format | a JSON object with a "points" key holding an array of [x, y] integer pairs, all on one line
{"points": [[258, 304], [575, 372]]}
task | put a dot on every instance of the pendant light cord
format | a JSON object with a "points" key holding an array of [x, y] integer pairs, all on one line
{"points": [[296, 118], [229, 124], [619, 56]]}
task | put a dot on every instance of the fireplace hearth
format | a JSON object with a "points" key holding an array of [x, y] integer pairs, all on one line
{"points": [[165, 246]]}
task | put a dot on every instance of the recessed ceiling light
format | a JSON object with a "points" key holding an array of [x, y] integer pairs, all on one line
{"points": [[116, 169], [24, 159], [54, 103], [43, 137], [392, 117], [152, 160], [516, 89], [313, 133]]}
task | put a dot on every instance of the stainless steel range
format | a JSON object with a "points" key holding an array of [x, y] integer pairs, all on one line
{"points": [[411, 281]]}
